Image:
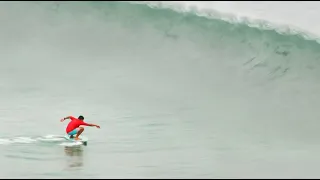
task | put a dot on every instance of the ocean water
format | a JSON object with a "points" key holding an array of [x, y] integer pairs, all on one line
{"points": [[179, 91]]}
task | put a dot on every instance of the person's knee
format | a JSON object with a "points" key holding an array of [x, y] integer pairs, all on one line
{"points": [[81, 128]]}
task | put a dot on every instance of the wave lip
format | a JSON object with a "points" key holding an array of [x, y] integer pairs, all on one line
{"points": [[228, 11]]}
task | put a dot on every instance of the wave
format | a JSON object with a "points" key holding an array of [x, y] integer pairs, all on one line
{"points": [[150, 61]]}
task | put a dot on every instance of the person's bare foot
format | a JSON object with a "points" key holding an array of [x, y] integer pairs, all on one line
{"points": [[76, 138]]}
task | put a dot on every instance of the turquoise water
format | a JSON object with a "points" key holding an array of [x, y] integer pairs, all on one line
{"points": [[176, 95]]}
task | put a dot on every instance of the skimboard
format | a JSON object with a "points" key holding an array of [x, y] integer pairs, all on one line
{"points": [[83, 139]]}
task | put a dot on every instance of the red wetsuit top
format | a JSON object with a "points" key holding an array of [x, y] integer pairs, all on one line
{"points": [[74, 123]]}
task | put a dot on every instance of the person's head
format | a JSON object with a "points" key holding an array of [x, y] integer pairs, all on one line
{"points": [[81, 118]]}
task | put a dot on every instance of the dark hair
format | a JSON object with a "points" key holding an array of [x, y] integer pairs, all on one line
{"points": [[81, 117]]}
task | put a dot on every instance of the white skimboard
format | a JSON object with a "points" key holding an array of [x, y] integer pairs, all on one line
{"points": [[83, 139]]}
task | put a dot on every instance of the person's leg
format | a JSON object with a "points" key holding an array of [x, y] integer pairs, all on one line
{"points": [[73, 132], [81, 129]]}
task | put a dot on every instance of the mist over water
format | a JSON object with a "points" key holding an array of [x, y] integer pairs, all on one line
{"points": [[176, 95]]}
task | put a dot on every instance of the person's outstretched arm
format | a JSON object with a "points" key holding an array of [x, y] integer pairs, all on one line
{"points": [[87, 124], [68, 117]]}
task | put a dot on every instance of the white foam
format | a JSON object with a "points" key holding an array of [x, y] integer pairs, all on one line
{"points": [[5, 141], [51, 138], [46, 138], [28, 140], [23, 140]]}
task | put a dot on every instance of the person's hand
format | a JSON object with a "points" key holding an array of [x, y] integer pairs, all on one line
{"points": [[61, 120], [98, 126]]}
